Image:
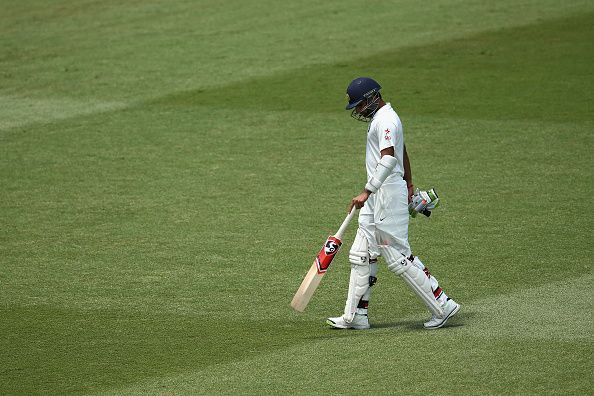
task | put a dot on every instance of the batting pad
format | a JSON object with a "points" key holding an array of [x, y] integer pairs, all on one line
{"points": [[360, 272], [414, 277], [358, 285]]}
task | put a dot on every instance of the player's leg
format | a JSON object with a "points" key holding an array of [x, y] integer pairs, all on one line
{"points": [[449, 306], [438, 292], [392, 235], [421, 282], [363, 305], [367, 227], [414, 277], [363, 259], [355, 314]]}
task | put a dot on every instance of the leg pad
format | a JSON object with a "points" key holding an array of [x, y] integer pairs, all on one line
{"points": [[413, 276]]}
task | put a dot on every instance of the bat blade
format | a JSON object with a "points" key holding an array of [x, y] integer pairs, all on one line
{"points": [[308, 287], [316, 272]]}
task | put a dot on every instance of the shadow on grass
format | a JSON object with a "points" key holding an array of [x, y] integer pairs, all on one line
{"points": [[457, 321], [407, 325]]}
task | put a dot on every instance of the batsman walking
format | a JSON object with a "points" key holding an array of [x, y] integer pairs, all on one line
{"points": [[384, 215]]}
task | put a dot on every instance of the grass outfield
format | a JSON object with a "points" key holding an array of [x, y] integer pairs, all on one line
{"points": [[169, 169]]}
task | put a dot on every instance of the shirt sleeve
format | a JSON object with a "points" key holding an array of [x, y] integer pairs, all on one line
{"points": [[388, 135]]}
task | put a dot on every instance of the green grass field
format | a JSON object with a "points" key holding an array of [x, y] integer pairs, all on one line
{"points": [[168, 171]]}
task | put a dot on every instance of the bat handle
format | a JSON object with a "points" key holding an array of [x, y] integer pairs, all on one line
{"points": [[345, 223]]}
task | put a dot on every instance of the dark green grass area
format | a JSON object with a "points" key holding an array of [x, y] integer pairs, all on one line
{"points": [[535, 72], [98, 348], [154, 247]]}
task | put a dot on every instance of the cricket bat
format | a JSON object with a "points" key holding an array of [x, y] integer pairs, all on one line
{"points": [[320, 266]]}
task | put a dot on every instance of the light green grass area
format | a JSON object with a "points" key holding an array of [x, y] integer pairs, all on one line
{"points": [[169, 170]]}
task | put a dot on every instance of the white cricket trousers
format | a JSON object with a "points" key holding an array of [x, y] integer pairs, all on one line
{"points": [[384, 218]]}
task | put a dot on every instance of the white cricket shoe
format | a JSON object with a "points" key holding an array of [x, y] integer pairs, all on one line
{"points": [[360, 322], [449, 309]]}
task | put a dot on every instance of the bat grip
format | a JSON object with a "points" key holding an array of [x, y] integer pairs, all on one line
{"points": [[345, 223]]}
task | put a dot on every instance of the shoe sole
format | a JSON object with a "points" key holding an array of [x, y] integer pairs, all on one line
{"points": [[336, 326], [454, 311]]}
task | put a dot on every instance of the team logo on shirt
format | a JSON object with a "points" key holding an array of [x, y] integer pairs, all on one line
{"points": [[387, 132]]}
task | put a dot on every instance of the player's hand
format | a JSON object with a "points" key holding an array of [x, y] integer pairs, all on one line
{"points": [[423, 202], [411, 192], [359, 200]]}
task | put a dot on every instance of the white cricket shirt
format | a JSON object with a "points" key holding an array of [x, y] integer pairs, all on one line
{"points": [[385, 130]]}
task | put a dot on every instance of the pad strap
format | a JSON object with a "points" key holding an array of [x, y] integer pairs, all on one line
{"points": [[382, 171]]}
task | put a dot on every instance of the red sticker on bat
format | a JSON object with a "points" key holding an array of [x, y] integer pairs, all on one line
{"points": [[327, 253]]}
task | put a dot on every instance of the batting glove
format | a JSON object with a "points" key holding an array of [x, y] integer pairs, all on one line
{"points": [[423, 202]]}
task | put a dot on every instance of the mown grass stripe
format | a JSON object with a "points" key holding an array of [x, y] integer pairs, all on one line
{"points": [[556, 316], [19, 112]]}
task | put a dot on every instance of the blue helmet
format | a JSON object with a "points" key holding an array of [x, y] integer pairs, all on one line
{"points": [[363, 89]]}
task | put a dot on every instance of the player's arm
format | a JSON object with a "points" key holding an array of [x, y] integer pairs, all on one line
{"points": [[408, 175], [385, 167], [388, 151]]}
